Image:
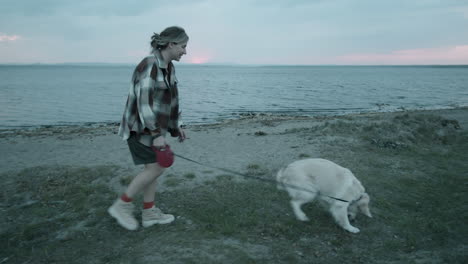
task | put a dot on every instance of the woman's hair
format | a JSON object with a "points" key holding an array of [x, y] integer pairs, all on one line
{"points": [[171, 34]]}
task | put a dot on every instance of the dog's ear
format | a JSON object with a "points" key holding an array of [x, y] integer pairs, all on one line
{"points": [[363, 205]]}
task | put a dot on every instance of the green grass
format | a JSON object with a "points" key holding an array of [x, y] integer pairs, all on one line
{"points": [[418, 199], [260, 133], [190, 175], [256, 170], [253, 167], [222, 177], [173, 182], [125, 181], [412, 219]]}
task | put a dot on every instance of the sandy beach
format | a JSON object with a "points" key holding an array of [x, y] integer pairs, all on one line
{"points": [[387, 151], [268, 140]]}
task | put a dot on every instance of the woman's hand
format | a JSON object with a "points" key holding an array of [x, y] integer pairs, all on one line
{"points": [[159, 142], [182, 136]]}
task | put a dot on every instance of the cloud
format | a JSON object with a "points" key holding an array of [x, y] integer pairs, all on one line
{"points": [[4, 37], [241, 31], [84, 7], [443, 55]]}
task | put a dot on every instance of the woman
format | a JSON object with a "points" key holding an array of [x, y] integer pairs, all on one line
{"points": [[152, 110]]}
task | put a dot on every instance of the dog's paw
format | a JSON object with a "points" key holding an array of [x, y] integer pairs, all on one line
{"points": [[352, 229], [302, 218]]}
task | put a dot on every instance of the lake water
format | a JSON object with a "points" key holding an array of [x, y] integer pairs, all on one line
{"points": [[38, 95]]}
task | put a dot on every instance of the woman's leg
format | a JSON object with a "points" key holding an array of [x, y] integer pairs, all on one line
{"points": [[152, 215], [149, 191], [122, 209], [145, 181]]}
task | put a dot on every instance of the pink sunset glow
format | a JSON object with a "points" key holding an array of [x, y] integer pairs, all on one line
{"points": [[444, 55], [198, 59], [4, 37]]}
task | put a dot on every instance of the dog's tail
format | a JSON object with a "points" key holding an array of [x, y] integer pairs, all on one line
{"points": [[279, 179]]}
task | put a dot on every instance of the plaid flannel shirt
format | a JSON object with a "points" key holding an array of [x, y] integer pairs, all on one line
{"points": [[151, 104]]}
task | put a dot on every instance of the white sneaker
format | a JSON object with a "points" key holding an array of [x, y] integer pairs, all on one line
{"points": [[123, 213], [154, 216]]}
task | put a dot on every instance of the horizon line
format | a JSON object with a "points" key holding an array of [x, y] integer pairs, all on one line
{"points": [[210, 64]]}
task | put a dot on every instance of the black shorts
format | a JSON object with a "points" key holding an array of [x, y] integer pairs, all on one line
{"points": [[141, 153]]}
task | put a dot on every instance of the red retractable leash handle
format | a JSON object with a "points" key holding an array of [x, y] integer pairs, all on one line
{"points": [[164, 156]]}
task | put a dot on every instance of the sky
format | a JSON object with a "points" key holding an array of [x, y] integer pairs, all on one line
{"points": [[251, 32]]}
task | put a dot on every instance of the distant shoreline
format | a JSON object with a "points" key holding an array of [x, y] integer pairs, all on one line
{"points": [[105, 64]]}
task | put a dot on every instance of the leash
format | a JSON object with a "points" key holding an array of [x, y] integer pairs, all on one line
{"points": [[258, 178]]}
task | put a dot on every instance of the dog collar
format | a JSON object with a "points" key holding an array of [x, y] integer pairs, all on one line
{"points": [[357, 200]]}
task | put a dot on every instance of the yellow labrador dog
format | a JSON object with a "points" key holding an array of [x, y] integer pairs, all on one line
{"points": [[324, 179]]}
